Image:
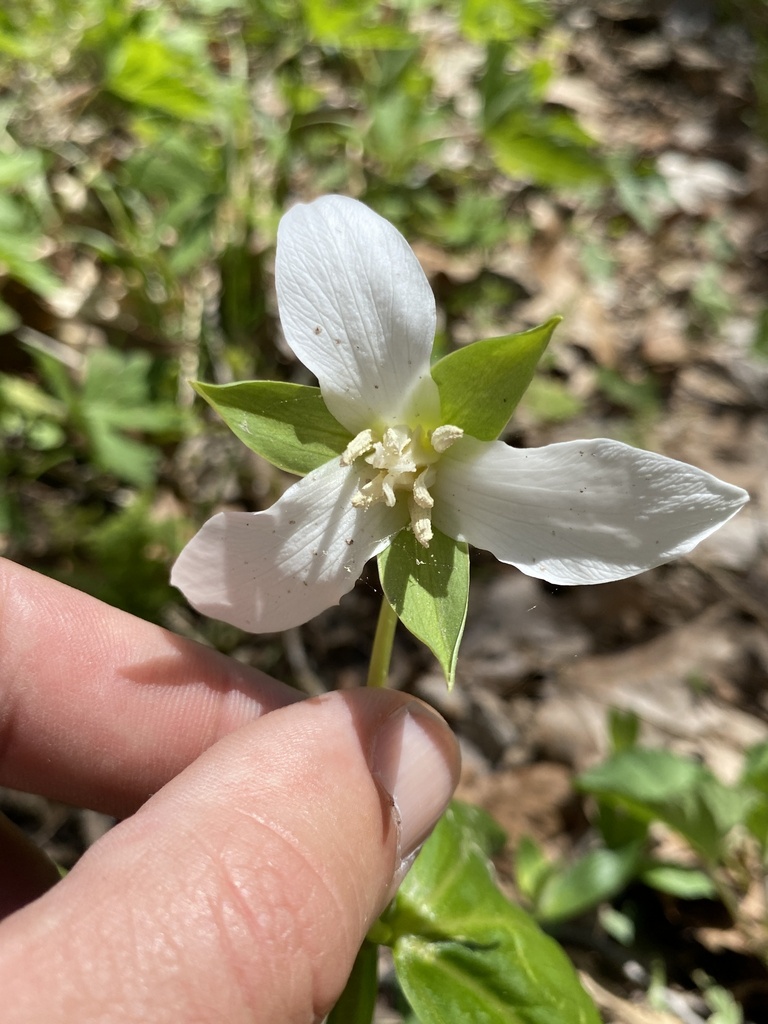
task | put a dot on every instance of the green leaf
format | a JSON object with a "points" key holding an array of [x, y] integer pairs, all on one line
{"points": [[18, 166], [150, 73], [463, 953], [656, 784], [677, 880], [288, 424], [487, 833], [618, 925], [481, 384], [115, 453], [550, 401], [547, 147], [623, 728], [116, 398], [429, 590], [353, 25], [21, 242], [503, 20], [9, 318], [531, 868], [757, 821], [645, 777], [597, 876], [30, 400], [617, 825], [755, 770]]}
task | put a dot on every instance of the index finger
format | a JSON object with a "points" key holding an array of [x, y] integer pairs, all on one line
{"points": [[99, 708]]}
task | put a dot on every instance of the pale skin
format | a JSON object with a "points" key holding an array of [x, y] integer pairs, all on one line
{"points": [[258, 842]]}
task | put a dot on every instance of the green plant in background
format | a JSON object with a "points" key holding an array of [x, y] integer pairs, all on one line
{"points": [[635, 791]]}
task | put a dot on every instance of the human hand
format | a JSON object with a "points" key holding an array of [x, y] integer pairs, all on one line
{"points": [[265, 835]]}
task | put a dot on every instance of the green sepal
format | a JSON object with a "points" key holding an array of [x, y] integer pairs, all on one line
{"points": [[429, 590], [481, 384], [463, 952], [288, 424]]}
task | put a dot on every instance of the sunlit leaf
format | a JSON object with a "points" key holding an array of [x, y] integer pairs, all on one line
{"points": [[598, 875], [678, 880], [463, 953], [657, 784], [547, 148], [531, 868], [287, 424], [9, 318], [149, 73], [481, 384], [352, 24], [504, 20], [429, 590]]}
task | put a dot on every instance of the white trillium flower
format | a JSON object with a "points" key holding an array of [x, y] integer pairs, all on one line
{"points": [[357, 309]]}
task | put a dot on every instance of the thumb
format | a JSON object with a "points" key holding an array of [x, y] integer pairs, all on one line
{"points": [[243, 889]]}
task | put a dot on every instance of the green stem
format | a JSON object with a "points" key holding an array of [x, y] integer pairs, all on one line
{"points": [[381, 655], [358, 1000]]}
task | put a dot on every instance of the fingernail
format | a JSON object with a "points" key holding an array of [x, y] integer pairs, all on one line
{"points": [[415, 760]]}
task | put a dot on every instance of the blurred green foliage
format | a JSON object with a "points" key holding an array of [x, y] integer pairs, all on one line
{"points": [[638, 790]]}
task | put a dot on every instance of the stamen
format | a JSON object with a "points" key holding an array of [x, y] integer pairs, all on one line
{"points": [[443, 437], [421, 495], [369, 492], [421, 523], [358, 446], [388, 491], [400, 464]]}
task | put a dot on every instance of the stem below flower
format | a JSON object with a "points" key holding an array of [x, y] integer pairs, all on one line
{"points": [[358, 1000], [381, 654]]}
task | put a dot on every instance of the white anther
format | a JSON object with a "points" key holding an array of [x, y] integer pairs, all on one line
{"points": [[421, 523], [358, 446], [443, 437]]}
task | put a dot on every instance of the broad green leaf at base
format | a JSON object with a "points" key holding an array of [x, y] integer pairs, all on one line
{"points": [[481, 384], [429, 590], [463, 953], [288, 424]]}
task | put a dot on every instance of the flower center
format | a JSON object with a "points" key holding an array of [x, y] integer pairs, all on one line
{"points": [[400, 459]]}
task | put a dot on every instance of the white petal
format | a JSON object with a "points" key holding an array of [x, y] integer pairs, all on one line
{"points": [[357, 309], [268, 571], [578, 512]]}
